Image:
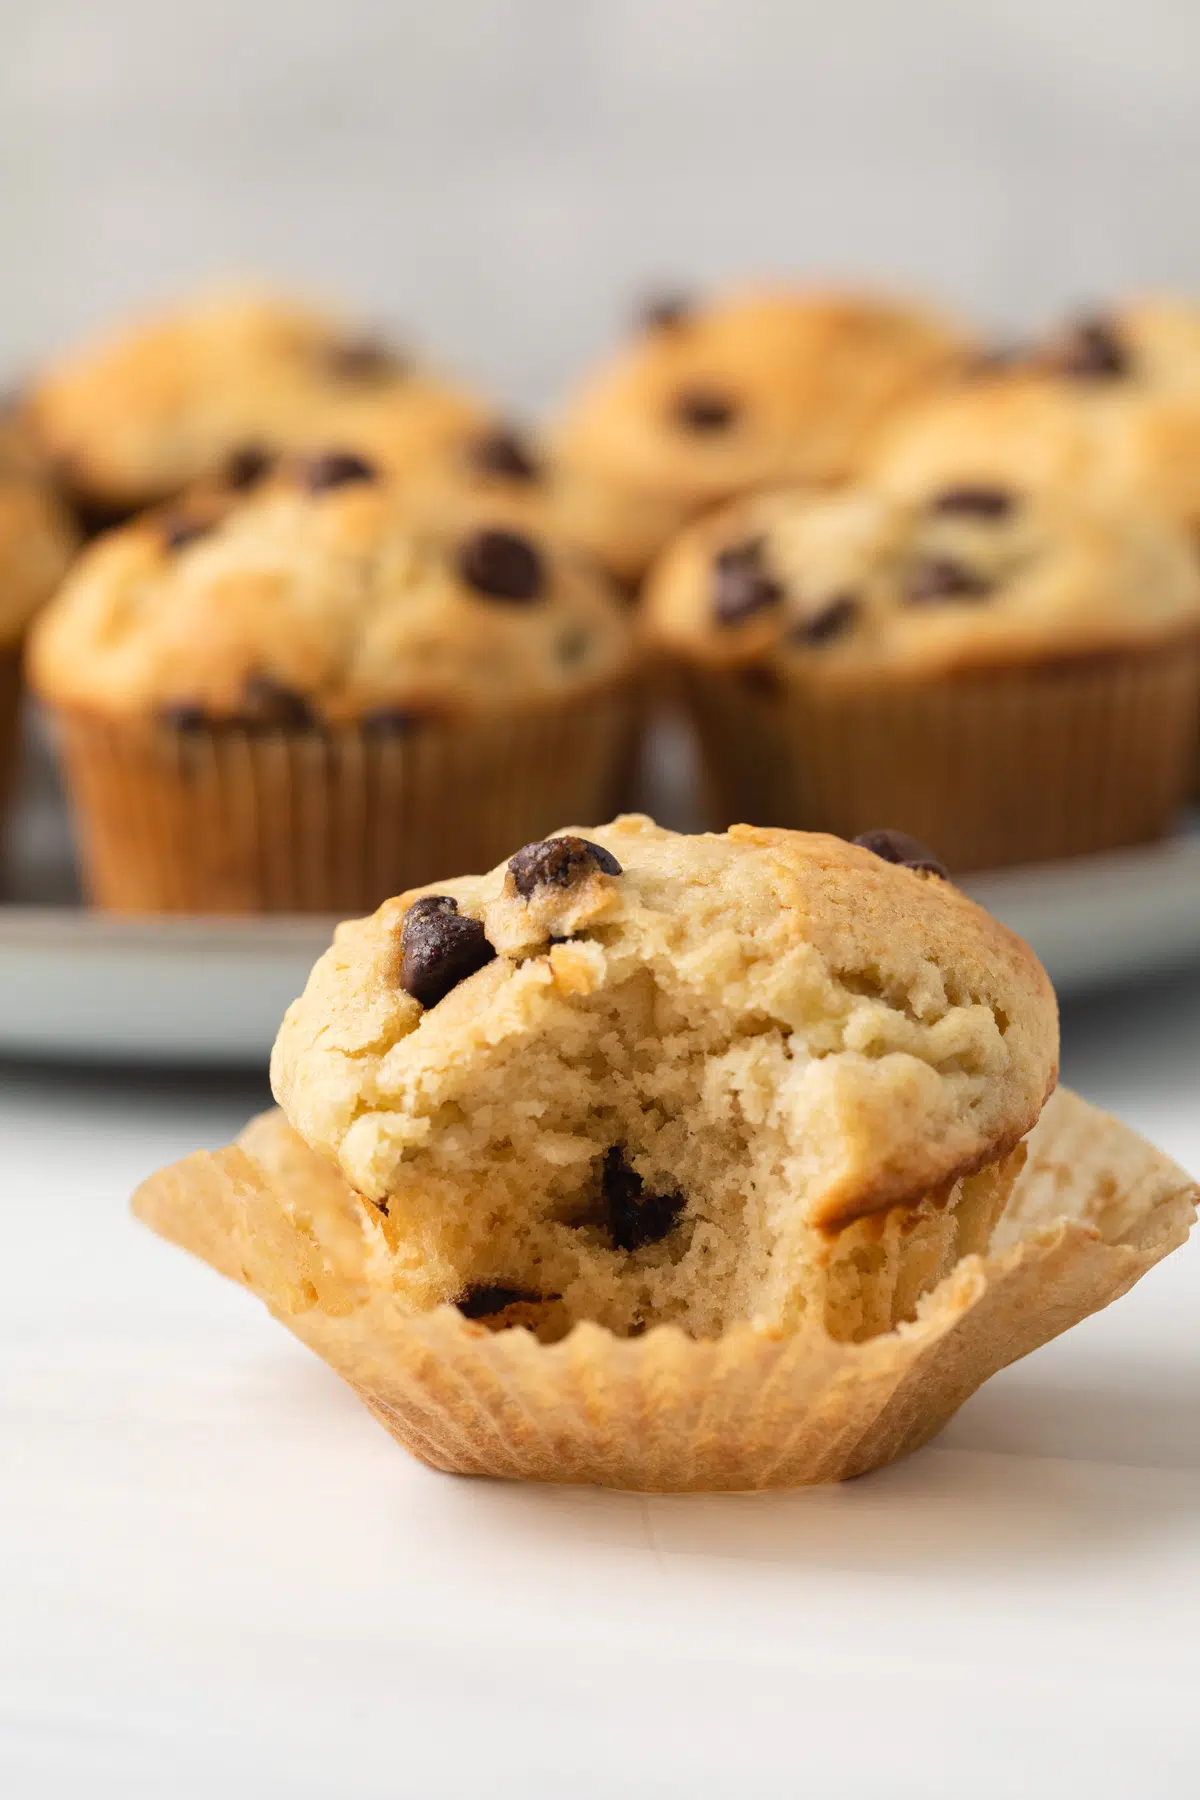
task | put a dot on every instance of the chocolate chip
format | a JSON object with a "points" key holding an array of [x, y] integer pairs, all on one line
{"points": [[390, 721], [501, 564], [484, 1302], [663, 312], [503, 452], [633, 1217], [975, 502], [761, 680], [573, 646], [934, 579], [183, 715], [907, 852], [741, 586], [272, 703], [364, 359], [830, 621], [333, 469], [180, 530], [439, 948], [559, 862], [1089, 350], [246, 466], [704, 410]]}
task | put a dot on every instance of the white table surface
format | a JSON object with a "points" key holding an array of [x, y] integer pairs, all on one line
{"points": [[219, 1577]]}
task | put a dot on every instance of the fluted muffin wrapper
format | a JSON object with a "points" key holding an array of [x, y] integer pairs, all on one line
{"points": [[232, 820], [989, 767], [10, 710], [1093, 1209]]}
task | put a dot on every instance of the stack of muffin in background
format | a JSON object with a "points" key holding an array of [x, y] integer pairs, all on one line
{"points": [[344, 628]]}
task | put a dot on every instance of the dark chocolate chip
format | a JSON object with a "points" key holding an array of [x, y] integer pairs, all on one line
{"points": [[761, 680], [501, 564], [333, 469], [390, 721], [572, 646], [907, 852], [179, 530], [272, 703], [559, 862], [246, 466], [485, 1301], [663, 312], [934, 579], [741, 586], [830, 621], [704, 409], [364, 359], [504, 452], [439, 947], [1089, 350], [184, 715], [974, 501], [632, 1216]]}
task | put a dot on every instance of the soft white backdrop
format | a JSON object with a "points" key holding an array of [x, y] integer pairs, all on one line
{"points": [[498, 175]]}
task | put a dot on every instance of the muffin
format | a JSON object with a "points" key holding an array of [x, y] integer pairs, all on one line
{"points": [[221, 383], [303, 696], [759, 386], [675, 1162], [1007, 672], [37, 541]]}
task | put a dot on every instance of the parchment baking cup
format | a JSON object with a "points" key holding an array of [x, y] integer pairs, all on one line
{"points": [[1094, 1208], [232, 820], [10, 709], [989, 768]]}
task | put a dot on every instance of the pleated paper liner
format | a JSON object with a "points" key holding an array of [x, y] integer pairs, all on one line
{"points": [[10, 707], [1093, 1209], [233, 820], [990, 768]]}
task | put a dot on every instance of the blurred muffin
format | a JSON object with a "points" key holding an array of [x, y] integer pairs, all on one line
{"points": [[37, 541], [754, 387], [1008, 673], [131, 419], [306, 695]]}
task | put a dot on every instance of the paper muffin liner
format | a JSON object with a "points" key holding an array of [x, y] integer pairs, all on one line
{"points": [[10, 711], [988, 768], [227, 819], [1093, 1208]]}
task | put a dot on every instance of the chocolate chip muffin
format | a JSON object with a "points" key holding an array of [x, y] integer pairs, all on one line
{"points": [[300, 696], [220, 384], [1006, 672], [37, 541], [710, 400]]}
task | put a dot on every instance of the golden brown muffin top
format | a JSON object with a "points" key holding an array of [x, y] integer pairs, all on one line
{"points": [[858, 1023], [862, 585], [328, 592]]}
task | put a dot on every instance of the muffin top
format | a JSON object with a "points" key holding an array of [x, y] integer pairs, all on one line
{"points": [[328, 592], [859, 584], [134, 417], [805, 1026], [37, 539], [1108, 405], [759, 386]]}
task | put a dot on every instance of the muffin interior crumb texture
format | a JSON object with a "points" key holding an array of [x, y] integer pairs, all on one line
{"points": [[761, 1076]]}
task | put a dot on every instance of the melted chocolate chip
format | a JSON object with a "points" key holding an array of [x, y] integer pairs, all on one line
{"points": [[1089, 350], [503, 452], [501, 564], [974, 502], [364, 359], [741, 586], [828, 622], [272, 703], [484, 1302], [183, 715], [333, 469], [704, 410], [180, 530], [559, 862], [246, 466], [633, 1217], [907, 852], [663, 312], [390, 721], [934, 579], [439, 948]]}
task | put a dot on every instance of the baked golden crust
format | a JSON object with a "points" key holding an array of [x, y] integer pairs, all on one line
{"points": [[338, 590], [37, 539]]}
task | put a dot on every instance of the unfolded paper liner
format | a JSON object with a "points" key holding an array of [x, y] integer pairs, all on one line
{"points": [[10, 710], [989, 768], [232, 820], [1094, 1208]]}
